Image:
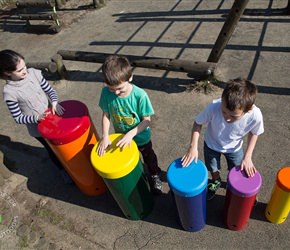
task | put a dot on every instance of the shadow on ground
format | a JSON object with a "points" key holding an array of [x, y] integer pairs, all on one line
{"points": [[168, 85]]}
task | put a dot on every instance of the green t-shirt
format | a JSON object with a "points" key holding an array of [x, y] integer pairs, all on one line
{"points": [[127, 112]]}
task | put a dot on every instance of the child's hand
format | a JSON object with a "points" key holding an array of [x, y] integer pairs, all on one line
{"points": [[248, 166], [42, 116], [57, 108], [192, 154], [125, 140], [104, 143]]}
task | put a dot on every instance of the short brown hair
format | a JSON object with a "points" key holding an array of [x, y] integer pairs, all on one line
{"points": [[116, 69], [239, 94]]}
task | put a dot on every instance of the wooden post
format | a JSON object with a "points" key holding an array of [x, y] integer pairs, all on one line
{"points": [[227, 30], [60, 66], [99, 3], [35, 3], [50, 66]]}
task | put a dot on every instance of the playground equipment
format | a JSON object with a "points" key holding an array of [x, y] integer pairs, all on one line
{"points": [[41, 15], [188, 186], [227, 30], [72, 137], [240, 198], [201, 69], [123, 173], [278, 207], [196, 68], [40, 10]]}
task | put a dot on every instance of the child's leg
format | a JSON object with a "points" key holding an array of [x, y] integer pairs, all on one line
{"points": [[65, 176], [234, 159], [51, 154], [150, 158], [212, 161]]}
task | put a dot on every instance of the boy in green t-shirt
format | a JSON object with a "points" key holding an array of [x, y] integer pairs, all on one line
{"points": [[129, 108]]}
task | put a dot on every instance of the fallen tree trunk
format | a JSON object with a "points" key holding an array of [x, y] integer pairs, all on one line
{"points": [[195, 68]]}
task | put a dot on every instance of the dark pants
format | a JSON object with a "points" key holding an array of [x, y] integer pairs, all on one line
{"points": [[51, 154], [150, 158]]}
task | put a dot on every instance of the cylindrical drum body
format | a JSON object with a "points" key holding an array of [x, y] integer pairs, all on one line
{"points": [[72, 137], [240, 198], [122, 171], [278, 207], [188, 185]]}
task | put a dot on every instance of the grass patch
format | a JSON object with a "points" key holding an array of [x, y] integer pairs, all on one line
{"points": [[206, 86], [49, 215], [23, 241]]}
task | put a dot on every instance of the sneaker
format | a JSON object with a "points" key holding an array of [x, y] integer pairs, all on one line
{"points": [[156, 184], [212, 188]]}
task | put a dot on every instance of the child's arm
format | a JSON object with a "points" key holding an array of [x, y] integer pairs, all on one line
{"points": [[55, 107], [105, 141], [128, 137], [192, 152], [18, 116], [247, 164]]}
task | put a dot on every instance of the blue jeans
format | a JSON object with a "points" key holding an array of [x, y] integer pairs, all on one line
{"points": [[213, 159]]}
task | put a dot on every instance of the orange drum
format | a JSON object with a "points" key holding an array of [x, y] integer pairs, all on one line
{"points": [[72, 137]]}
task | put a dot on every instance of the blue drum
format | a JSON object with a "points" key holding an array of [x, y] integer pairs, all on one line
{"points": [[189, 185]]}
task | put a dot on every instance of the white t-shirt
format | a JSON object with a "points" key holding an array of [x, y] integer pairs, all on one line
{"points": [[225, 137]]}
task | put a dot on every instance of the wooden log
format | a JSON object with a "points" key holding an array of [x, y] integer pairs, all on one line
{"points": [[57, 58], [43, 28], [227, 30], [50, 66], [99, 3], [195, 68], [44, 16], [55, 28], [35, 3]]}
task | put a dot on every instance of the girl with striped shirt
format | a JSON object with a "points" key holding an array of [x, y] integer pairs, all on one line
{"points": [[28, 96]]}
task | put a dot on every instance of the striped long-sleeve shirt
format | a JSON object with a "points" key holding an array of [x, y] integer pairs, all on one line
{"points": [[21, 118], [28, 98]]}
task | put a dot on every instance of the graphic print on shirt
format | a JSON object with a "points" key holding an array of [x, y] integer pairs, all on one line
{"points": [[124, 118]]}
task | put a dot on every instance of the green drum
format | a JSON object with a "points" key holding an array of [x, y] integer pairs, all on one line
{"points": [[123, 173]]}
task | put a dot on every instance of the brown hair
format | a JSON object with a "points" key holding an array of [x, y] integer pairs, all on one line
{"points": [[116, 69], [239, 94]]}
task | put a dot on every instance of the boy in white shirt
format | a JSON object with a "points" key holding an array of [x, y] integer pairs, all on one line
{"points": [[228, 120]]}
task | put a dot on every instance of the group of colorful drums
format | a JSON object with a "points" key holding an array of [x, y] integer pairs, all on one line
{"points": [[74, 140]]}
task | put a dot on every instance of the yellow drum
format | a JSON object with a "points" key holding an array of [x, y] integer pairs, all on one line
{"points": [[279, 205], [122, 171]]}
